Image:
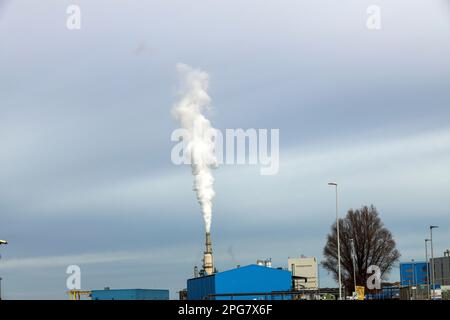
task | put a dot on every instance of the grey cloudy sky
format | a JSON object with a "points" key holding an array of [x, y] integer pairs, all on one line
{"points": [[85, 170]]}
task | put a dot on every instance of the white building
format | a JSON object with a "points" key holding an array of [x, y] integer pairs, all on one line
{"points": [[307, 271]]}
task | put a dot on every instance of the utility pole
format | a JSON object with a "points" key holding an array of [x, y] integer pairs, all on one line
{"points": [[428, 271], [338, 241], [352, 242], [432, 261], [2, 242]]}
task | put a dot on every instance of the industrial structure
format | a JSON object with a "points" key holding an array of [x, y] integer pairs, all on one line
{"points": [[257, 281], [416, 279], [2, 242], [130, 294], [414, 273], [208, 259], [243, 283], [77, 294], [388, 291], [442, 270], [304, 273], [120, 294]]}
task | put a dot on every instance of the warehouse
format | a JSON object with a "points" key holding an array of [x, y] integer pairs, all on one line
{"points": [[414, 273], [442, 271], [130, 294], [305, 273], [244, 283]]}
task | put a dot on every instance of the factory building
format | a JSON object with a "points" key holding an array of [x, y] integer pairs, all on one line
{"points": [[415, 279], [244, 283], [442, 270], [130, 294], [414, 273], [304, 273]]}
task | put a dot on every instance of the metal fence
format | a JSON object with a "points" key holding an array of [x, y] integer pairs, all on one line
{"points": [[421, 293], [414, 293]]}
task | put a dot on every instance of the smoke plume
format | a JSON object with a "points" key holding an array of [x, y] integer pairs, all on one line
{"points": [[193, 101]]}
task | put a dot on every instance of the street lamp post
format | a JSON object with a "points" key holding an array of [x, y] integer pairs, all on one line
{"points": [[432, 261], [414, 285], [426, 261], [2, 242], [338, 240], [353, 261]]}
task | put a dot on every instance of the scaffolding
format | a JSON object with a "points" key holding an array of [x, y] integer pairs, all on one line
{"points": [[76, 294]]}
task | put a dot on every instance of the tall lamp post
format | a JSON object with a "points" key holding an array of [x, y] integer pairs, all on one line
{"points": [[414, 282], [432, 261], [338, 240], [352, 242], [2, 242], [426, 261]]}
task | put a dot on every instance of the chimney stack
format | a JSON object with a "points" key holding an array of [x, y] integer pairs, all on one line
{"points": [[208, 262]]}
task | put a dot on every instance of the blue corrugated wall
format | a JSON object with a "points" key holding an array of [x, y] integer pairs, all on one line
{"points": [[413, 273], [200, 288], [130, 294], [248, 279]]}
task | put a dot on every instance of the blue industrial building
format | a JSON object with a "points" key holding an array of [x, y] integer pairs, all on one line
{"points": [[244, 283], [414, 273], [130, 294], [386, 293]]}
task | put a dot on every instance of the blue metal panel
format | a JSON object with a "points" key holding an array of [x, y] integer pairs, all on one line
{"points": [[413, 273], [385, 293], [200, 288], [253, 279], [248, 279], [130, 294]]}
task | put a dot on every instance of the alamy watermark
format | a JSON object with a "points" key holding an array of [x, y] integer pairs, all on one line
{"points": [[73, 21], [373, 21], [73, 281], [236, 146], [374, 280]]}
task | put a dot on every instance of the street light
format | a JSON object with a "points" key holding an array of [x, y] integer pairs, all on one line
{"points": [[2, 242], [426, 261], [338, 241], [352, 242], [432, 260]]}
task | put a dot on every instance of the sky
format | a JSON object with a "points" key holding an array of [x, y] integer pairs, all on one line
{"points": [[85, 171]]}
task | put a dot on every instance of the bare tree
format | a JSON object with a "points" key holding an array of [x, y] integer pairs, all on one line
{"points": [[374, 245]]}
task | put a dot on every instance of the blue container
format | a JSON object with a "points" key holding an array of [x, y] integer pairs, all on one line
{"points": [[260, 282], [130, 294], [413, 273]]}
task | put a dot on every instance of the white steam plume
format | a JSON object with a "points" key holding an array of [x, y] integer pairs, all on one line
{"points": [[194, 99]]}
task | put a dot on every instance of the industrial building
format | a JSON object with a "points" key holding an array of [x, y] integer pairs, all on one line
{"points": [[414, 273], [252, 282], [257, 281], [388, 291], [129, 294], [415, 279], [442, 270], [304, 272]]}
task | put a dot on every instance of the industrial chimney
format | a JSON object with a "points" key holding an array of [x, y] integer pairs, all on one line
{"points": [[208, 262]]}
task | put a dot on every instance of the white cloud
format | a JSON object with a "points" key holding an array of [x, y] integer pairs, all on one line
{"points": [[401, 164], [157, 256]]}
